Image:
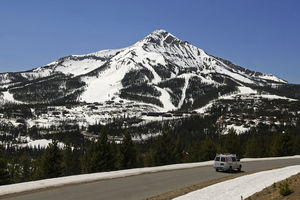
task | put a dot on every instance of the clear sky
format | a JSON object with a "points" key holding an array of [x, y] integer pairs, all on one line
{"points": [[262, 35]]}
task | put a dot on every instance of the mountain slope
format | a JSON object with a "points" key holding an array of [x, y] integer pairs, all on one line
{"points": [[160, 70]]}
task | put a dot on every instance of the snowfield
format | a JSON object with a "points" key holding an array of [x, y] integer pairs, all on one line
{"points": [[242, 93], [8, 98], [242, 187], [56, 182], [42, 143], [272, 78]]}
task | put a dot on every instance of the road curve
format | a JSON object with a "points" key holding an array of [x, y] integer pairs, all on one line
{"points": [[145, 185]]}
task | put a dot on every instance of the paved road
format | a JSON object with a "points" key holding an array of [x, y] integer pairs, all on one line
{"points": [[146, 185]]}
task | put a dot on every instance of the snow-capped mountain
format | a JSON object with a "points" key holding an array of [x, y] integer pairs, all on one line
{"points": [[159, 70]]}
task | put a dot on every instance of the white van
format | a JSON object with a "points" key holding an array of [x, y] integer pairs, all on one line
{"points": [[227, 162]]}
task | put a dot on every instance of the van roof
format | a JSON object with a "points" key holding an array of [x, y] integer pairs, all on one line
{"points": [[226, 154]]}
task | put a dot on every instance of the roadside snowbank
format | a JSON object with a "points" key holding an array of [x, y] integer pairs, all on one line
{"points": [[57, 182], [242, 187], [269, 158]]}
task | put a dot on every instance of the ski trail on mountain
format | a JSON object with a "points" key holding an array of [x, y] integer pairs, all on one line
{"points": [[186, 78], [165, 99]]}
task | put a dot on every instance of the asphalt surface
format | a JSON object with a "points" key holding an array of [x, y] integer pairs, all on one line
{"points": [[146, 185]]}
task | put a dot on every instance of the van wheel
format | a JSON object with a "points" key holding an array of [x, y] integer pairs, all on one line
{"points": [[240, 168], [230, 169], [217, 169]]}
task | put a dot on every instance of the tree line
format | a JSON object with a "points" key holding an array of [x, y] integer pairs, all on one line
{"points": [[189, 140]]}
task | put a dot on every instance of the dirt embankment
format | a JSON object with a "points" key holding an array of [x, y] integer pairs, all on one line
{"points": [[272, 192]]}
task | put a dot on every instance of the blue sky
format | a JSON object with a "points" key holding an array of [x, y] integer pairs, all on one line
{"points": [[259, 35]]}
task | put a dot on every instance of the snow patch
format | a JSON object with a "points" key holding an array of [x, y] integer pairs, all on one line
{"points": [[236, 76], [205, 108], [246, 90], [272, 78], [186, 83], [165, 99], [7, 97], [144, 137], [41, 143], [273, 96], [105, 86], [238, 129]]}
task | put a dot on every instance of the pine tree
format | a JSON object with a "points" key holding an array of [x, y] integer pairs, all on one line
{"points": [[208, 149], [232, 143], [4, 175], [178, 150], [128, 153], [106, 157], [89, 162], [114, 148], [67, 161], [99, 156], [14, 171], [25, 162], [193, 151], [149, 159], [76, 156], [282, 145], [251, 148], [297, 145], [254, 147], [51, 162], [164, 148]]}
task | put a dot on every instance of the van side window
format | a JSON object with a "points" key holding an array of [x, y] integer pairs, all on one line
{"points": [[217, 158], [233, 159], [222, 159]]}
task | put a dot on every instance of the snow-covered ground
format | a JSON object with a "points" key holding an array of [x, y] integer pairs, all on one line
{"points": [[145, 136], [26, 141], [248, 93], [272, 78], [7, 97], [242, 93], [42, 143], [238, 129], [242, 187], [84, 115], [55, 182], [165, 99]]}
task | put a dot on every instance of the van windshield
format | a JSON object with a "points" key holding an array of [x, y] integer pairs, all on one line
{"points": [[222, 159], [233, 159]]}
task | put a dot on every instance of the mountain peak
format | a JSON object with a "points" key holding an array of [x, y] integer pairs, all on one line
{"points": [[159, 32], [161, 36]]}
